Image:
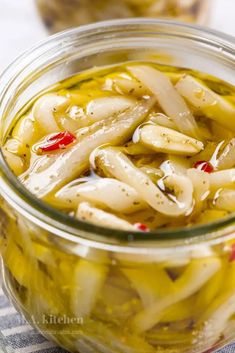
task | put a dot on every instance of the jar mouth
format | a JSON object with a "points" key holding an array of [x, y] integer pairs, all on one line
{"points": [[70, 228]]}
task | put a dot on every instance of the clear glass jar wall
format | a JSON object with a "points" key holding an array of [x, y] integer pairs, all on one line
{"points": [[99, 290]]}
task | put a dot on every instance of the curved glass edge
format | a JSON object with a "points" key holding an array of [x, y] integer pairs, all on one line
{"points": [[80, 229], [23, 59]]}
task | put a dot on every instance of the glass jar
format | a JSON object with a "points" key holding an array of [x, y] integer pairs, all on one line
{"points": [[60, 14], [92, 289]]}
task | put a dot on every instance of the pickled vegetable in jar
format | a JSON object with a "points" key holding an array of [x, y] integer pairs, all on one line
{"points": [[117, 220], [59, 14], [137, 146]]}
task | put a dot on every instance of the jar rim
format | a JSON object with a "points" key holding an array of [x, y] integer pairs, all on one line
{"points": [[70, 228]]}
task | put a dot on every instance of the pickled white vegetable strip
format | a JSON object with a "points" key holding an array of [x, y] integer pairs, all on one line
{"points": [[86, 212], [44, 109], [169, 99], [144, 282], [27, 131], [15, 162], [165, 140], [223, 178], [17, 263], [130, 87], [69, 164], [123, 169], [175, 164], [225, 200], [108, 192], [211, 215], [208, 102], [13, 145], [201, 186], [194, 277], [152, 172], [87, 283], [209, 292], [216, 318], [136, 149], [105, 107], [162, 120], [105, 340], [227, 158]]}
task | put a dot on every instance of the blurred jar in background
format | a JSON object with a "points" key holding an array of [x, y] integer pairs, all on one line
{"points": [[60, 14]]}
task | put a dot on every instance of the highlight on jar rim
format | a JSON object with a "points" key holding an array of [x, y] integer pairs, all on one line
{"points": [[137, 147]]}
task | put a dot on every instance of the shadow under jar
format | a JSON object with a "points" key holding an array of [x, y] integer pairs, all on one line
{"points": [[93, 289], [59, 14]]}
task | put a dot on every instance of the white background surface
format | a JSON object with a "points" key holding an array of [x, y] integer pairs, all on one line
{"points": [[20, 25]]}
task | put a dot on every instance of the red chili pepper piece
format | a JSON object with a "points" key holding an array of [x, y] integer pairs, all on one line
{"points": [[204, 166], [232, 255], [58, 141], [142, 227]]}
